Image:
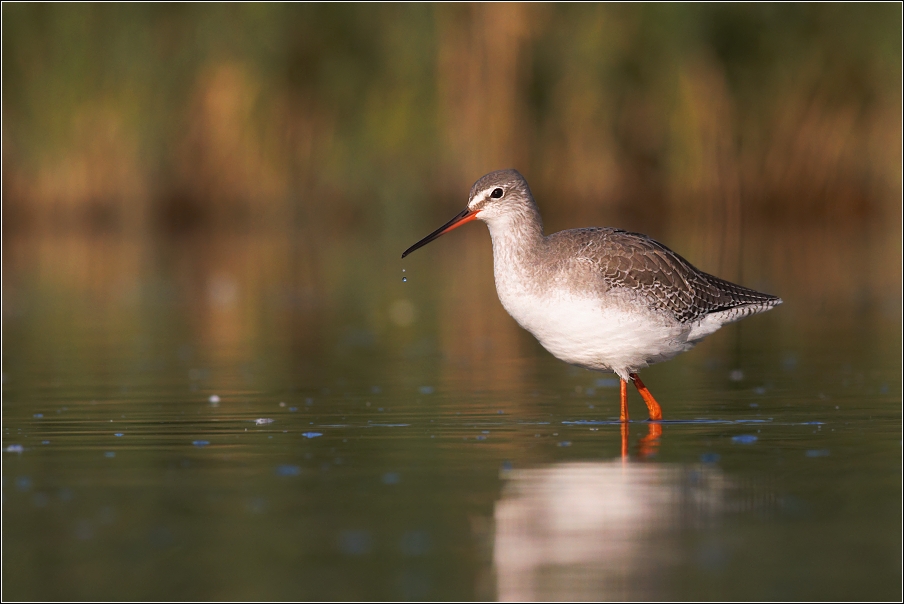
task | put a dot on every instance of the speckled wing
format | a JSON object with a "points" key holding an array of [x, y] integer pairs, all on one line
{"points": [[663, 279]]}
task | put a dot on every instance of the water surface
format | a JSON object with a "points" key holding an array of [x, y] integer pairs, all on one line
{"points": [[250, 418]]}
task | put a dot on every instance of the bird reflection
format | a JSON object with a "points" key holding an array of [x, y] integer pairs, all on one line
{"points": [[596, 530], [647, 446]]}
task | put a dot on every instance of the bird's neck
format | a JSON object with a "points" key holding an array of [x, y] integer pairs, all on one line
{"points": [[518, 240]]}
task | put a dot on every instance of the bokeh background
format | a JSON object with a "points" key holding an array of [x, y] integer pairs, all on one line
{"points": [[217, 196], [253, 148]]}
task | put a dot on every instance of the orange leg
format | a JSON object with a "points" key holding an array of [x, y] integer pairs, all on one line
{"points": [[623, 416], [652, 405], [624, 440]]}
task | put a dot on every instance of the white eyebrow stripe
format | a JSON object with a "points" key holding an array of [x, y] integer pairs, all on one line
{"points": [[479, 198]]}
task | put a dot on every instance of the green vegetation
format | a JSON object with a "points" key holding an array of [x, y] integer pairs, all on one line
{"points": [[130, 116]]}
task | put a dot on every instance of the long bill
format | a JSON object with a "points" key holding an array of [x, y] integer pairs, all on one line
{"points": [[466, 215]]}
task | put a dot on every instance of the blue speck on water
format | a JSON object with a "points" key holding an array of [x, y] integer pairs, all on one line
{"points": [[710, 458], [789, 362], [375, 390], [484, 431], [414, 543], [200, 443], [308, 402], [118, 434], [257, 505], [293, 409], [404, 279], [288, 470], [110, 454], [818, 453], [589, 391], [481, 437], [607, 383], [759, 390], [565, 443], [753, 405], [39, 415], [14, 449], [744, 439], [425, 389], [23, 483], [507, 466], [311, 434], [391, 478], [500, 412], [355, 543], [45, 442]]}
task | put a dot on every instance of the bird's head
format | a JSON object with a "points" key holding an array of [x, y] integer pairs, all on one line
{"points": [[496, 197]]}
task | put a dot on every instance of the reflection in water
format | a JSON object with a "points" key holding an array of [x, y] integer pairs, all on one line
{"points": [[648, 445], [597, 530]]}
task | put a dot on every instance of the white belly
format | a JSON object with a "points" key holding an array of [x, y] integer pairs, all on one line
{"points": [[608, 335]]}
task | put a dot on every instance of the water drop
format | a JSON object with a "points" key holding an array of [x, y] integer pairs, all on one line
{"points": [[404, 279]]}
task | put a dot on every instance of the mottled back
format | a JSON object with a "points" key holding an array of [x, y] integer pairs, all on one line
{"points": [[646, 268]]}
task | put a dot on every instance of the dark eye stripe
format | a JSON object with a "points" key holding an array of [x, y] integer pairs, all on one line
{"points": [[497, 193]]}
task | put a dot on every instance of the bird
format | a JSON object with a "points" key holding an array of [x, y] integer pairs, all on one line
{"points": [[601, 298]]}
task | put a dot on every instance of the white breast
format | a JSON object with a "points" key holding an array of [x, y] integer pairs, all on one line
{"points": [[596, 333]]}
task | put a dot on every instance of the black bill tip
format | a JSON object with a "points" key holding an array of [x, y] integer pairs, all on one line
{"points": [[464, 216]]}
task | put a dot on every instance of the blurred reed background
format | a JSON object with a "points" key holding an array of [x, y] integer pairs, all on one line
{"points": [[267, 157], [130, 118]]}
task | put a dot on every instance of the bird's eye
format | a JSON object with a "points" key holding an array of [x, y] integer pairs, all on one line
{"points": [[497, 193]]}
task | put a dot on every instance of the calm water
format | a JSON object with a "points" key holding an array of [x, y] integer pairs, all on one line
{"points": [[251, 418]]}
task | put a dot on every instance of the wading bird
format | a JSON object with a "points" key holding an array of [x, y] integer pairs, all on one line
{"points": [[600, 298]]}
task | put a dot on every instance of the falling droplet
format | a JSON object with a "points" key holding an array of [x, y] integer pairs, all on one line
{"points": [[404, 279]]}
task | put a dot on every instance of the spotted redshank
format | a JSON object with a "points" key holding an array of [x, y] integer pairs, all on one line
{"points": [[599, 298]]}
